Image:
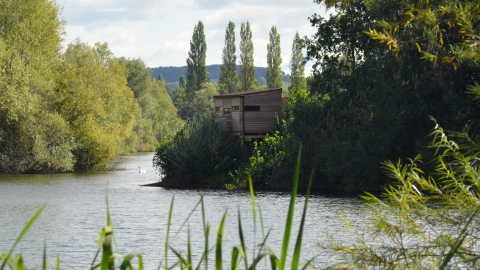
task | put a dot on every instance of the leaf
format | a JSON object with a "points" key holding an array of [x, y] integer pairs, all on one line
{"points": [[22, 234]]}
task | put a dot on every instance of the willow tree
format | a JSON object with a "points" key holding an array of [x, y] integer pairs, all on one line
{"points": [[96, 102], [159, 118], [297, 65], [274, 60], [228, 70], [246, 75], [197, 73]]}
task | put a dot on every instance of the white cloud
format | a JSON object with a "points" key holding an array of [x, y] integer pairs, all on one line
{"points": [[159, 31]]}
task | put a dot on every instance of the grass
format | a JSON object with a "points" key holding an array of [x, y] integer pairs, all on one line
{"points": [[261, 252]]}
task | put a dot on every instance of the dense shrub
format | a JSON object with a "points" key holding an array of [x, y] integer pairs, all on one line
{"points": [[199, 155]]}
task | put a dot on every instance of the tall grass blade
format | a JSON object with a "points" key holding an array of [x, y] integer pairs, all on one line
{"points": [[188, 217], [458, 242], [107, 261], [44, 262], [291, 210], [206, 234], [260, 254], [109, 218], [254, 213], [127, 261], [140, 262], [243, 250], [57, 267], [234, 261], [262, 226], [180, 258], [257, 259], [189, 250], [309, 262], [169, 224], [218, 246], [93, 266], [298, 245], [20, 237], [19, 264], [273, 261]]}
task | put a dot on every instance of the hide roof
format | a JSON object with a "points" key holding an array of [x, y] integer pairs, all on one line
{"points": [[241, 94]]}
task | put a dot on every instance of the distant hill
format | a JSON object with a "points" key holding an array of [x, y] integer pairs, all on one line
{"points": [[172, 74]]}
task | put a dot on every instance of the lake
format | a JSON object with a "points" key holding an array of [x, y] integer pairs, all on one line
{"points": [[76, 212]]}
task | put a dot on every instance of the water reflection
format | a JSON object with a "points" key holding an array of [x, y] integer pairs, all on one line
{"points": [[76, 212]]}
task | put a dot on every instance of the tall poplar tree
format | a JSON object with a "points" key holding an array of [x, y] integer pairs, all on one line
{"points": [[181, 82], [228, 70], [297, 65], [197, 73], [246, 76], [274, 60]]}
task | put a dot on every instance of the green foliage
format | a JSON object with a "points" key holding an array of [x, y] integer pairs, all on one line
{"points": [[427, 220], [181, 82], [200, 106], [267, 156], [271, 158], [197, 73], [442, 31], [199, 151], [297, 66], [71, 110], [159, 118], [97, 104], [228, 70], [363, 105], [246, 76], [33, 137], [261, 251], [274, 60]]}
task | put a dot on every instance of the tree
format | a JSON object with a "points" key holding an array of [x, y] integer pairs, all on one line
{"points": [[181, 82], [159, 119], [33, 136], [436, 211], [95, 100], [274, 60], [246, 76], [365, 105], [197, 73], [297, 66], [199, 106], [228, 70]]}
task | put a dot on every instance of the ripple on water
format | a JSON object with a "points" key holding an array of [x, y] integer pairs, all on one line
{"points": [[76, 212]]}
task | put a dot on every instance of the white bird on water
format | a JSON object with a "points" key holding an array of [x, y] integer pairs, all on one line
{"points": [[140, 170]]}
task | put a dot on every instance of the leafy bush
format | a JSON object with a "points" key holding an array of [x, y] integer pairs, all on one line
{"points": [[425, 221], [197, 155]]}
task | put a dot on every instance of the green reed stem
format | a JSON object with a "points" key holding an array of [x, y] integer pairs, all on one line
{"points": [[291, 210], [20, 237]]}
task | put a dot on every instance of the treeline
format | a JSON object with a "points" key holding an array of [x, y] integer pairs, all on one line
{"points": [[366, 101], [193, 96], [71, 110], [201, 154], [172, 74]]}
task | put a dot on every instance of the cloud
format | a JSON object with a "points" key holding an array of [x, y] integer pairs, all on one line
{"points": [[159, 31]]}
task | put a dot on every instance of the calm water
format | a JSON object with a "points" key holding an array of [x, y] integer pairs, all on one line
{"points": [[76, 211]]}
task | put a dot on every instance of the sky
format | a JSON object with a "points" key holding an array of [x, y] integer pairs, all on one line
{"points": [[159, 31]]}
